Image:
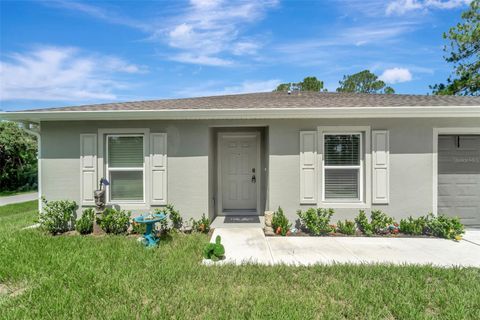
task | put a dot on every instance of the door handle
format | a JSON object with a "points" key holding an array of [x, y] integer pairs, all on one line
{"points": [[254, 180]]}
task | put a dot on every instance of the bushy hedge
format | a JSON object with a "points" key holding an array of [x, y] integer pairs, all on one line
{"points": [[114, 221], [84, 225], [18, 158], [57, 216]]}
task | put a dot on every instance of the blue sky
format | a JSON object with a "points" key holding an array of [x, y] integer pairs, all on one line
{"points": [[55, 53]]}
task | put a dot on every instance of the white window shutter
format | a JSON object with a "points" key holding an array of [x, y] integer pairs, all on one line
{"points": [[158, 163], [88, 167], [308, 167], [380, 154]]}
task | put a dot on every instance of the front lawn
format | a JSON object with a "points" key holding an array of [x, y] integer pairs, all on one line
{"points": [[114, 277]]}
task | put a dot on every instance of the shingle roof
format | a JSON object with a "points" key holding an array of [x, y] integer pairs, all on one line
{"points": [[282, 100]]}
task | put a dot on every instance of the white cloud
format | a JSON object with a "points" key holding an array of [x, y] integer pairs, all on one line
{"points": [[212, 29], [401, 7], [61, 74], [396, 75], [213, 88], [200, 59]]}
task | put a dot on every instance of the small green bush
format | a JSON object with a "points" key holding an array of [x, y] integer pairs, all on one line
{"points": [[202, 225], [280, 222], [84, 225], [214, 251], [363, 224], [138, 228], [114, 221], [444, 227], [317, 221], [413, 226], [174, 216], [57, 216], [380, 222], [347, 227]]}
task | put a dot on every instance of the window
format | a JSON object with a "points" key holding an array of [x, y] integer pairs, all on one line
{"points": [[342, 167], [125, 167]]}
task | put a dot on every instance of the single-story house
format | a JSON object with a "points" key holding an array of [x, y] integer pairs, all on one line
{"points": [[247, 153]]}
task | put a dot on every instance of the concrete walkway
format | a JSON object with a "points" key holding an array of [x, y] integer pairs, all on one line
{"points": [[24, 197], [244, 245]]}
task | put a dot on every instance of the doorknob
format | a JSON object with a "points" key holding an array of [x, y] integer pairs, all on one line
{"points": [[254, 180]]}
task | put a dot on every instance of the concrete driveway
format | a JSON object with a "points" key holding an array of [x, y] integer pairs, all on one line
{"points": [[24, 197], [250, 245]]}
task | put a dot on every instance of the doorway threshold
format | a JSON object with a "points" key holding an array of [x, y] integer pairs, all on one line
{"points": [[238, 221]]}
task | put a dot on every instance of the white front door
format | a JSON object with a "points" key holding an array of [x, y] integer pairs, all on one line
{"points": [[239, 172]]}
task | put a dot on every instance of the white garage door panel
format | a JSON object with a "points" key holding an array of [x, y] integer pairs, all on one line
{"points": [[459, 177]]}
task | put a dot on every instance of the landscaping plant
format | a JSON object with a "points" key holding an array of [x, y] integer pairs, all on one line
{"points": [[84, 225], [347, 227], [174, 216], [138, 228], [444, 227], [114, 221], [202, 225], [380, 222], [280, 223], [57, 216], [317, 221], [413, 226], [362, 223], [214, 251]]}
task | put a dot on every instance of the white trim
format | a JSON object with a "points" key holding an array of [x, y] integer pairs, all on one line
{"points": [[303, 167], [108, 170], [436, 133], [365, 166], [376, 167], [250, 113], [102, 165], [258, 172], [82, 169]]}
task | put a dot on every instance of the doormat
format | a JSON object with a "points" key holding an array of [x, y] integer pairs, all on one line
{"points": [[242, 219]]}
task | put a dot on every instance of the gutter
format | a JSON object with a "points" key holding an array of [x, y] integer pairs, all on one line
{"points": [[246, 113], [34, 129]]}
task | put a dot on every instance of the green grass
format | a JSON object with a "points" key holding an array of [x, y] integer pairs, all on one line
{"points": [[113, 277]]}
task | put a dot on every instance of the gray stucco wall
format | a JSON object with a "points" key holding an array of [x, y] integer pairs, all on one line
{"points": [[189, 168]]}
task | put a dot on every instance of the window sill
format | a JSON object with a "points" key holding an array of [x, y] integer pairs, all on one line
{"points": [[351, 205]]}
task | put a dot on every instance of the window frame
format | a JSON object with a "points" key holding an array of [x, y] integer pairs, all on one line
{"points": [[367, 166], [359, 167], [101, 164], [108, 169]]}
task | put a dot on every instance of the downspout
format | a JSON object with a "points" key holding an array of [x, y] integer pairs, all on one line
{"points": [[34, 129]]}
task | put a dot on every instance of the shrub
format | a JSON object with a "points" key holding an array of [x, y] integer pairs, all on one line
{"points": [[280, 223], [347, 227], [413, 226], [202, 225], [363, 224], [444, 227], [84, 225], [317, 221], [214, 251], [114, 221], [57, 216], [138, 228], [174, 216], [380, 222]]}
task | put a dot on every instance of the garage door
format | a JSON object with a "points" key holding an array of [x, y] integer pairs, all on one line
{"points": [[459, 177]]}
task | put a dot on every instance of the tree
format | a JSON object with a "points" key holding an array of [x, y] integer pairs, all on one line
{"points": [[464, 52], [18, 158], [308, 84], [363, 82]]}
